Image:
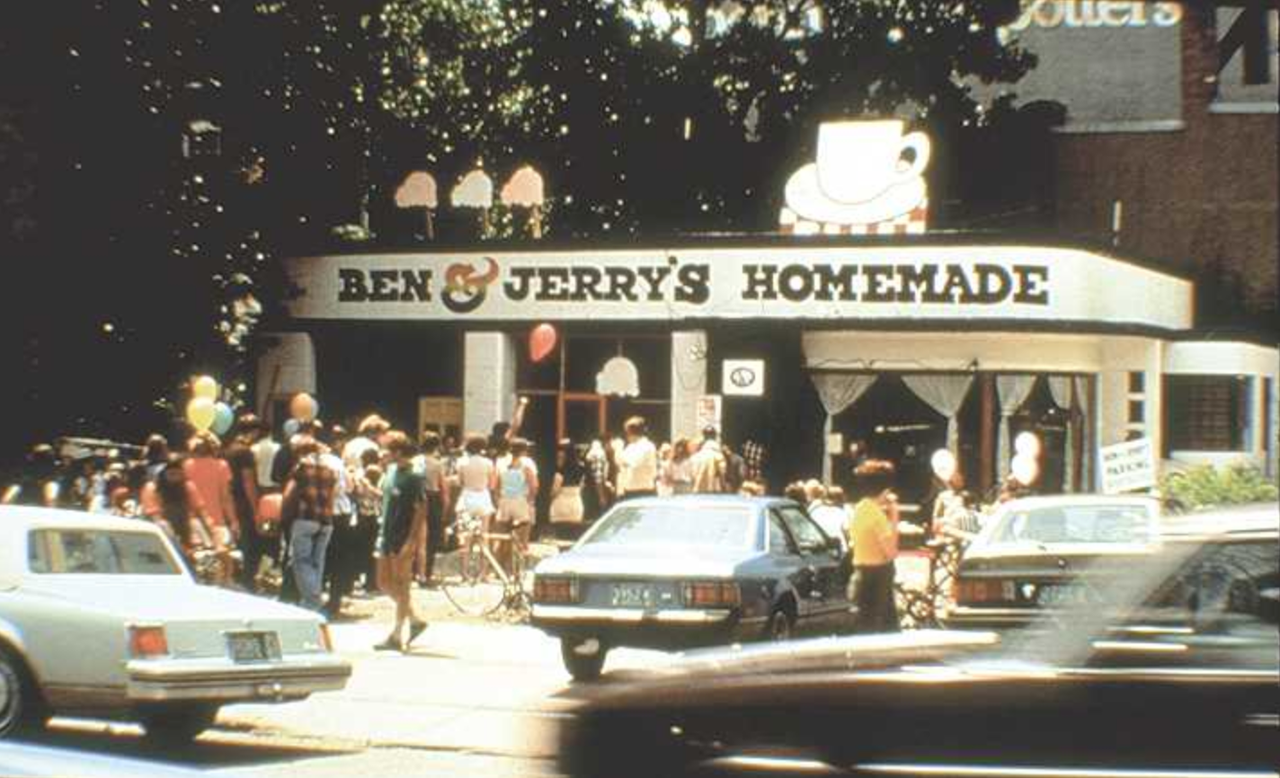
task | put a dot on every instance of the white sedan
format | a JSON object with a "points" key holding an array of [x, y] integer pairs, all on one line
{"points": [[99, 617]]}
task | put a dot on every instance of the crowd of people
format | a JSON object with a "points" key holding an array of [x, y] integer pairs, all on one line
{"points": [[326, 513]]}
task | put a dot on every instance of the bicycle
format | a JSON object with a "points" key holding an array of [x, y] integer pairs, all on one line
{"points": [[919, 608], [472, 593]]}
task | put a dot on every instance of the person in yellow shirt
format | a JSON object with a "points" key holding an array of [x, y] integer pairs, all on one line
{"points": [[873, 537]]}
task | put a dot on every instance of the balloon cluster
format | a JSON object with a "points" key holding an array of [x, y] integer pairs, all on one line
{"points": [[1025, 466], [205, 411]]}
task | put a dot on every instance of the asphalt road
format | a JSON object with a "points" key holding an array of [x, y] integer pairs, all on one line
{"points": [[471, 698]]}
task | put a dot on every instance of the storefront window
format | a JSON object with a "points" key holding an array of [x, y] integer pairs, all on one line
{"points": [[1206, 413]]}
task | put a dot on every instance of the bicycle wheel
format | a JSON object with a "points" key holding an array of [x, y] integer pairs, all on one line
{"points": [[470, 593], [915, 609]]}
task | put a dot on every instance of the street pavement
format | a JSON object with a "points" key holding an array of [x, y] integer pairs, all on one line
{"points": [[472, 697]]}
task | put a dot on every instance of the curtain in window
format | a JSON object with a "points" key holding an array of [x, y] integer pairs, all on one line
{"points": [[836, 392], [1013, 391], [1060, 388], [945, 394]]}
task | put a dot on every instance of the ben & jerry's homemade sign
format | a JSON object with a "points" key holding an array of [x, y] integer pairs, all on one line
{"points": [[914, 283]]}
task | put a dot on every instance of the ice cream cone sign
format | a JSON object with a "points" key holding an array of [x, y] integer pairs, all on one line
{"points": [[419, 191], [526, 190], [475, 190]]}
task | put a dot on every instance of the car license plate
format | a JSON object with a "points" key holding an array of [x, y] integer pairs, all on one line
{"points": [[1062, 596], [632, 596], [253, 646]]}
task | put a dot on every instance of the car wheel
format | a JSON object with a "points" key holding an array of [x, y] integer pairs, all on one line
{"points": [[781, 625], [583, 658], [20, 705], [178, 724]]}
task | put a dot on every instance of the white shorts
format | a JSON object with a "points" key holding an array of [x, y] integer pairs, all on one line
{"points": [[476, 502]]}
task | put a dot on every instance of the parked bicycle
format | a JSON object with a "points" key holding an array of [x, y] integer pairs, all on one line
{"points": [[920, 608], [483, 587]]}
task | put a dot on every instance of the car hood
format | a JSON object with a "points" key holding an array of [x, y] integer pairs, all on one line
{"points": [[774, 668], [153, 598], [27, 761], [665, 560]]}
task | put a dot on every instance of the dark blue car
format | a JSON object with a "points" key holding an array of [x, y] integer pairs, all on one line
{"points": [[690, 571]]}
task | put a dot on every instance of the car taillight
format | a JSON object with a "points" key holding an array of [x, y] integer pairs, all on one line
{"points": [[712, 594], [982, 590], [326, 639], [555, 590], [147, 642]]}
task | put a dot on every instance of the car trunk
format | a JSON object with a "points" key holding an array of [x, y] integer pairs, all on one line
{"points": [[199, 621], [1045, 578]]}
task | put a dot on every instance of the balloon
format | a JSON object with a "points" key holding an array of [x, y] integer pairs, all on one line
{"points": [[200, 412], [223, 418], [1027, 443], [1025, 470], [303, 407], [205, 387], [291, 428], [542, 341], [944, 464]]}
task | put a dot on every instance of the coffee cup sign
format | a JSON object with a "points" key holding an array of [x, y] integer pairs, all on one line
{"points": [[859, 161]]}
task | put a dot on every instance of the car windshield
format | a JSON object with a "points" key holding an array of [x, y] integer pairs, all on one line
{"points": [[1094, 523], [98, 552], [703, 526]]}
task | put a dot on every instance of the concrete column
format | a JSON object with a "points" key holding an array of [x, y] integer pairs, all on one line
{"points": [[287, 366], [688, 380], [489, 380]]}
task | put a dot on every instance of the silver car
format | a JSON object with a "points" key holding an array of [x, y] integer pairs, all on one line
{"points": [[99, 617]]}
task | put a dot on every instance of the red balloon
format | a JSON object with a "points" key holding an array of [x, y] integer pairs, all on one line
{"points": [[542, 341]]}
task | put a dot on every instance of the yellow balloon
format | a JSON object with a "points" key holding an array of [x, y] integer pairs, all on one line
{"points": [[201, 412], [205, 387]]}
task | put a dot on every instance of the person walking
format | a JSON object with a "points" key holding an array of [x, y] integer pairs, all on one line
{"points": [[567, 507], [873, 535], [637, 462], [211, 477], [340, 558], [432, 469], [404, 519], [308, 511]]}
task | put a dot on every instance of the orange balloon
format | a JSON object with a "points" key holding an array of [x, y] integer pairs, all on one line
{"points": [[542, 341]]}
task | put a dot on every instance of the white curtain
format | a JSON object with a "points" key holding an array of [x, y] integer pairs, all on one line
{"points": [[945, 394], [836, 392], [1060, 388], [1014, 391]]}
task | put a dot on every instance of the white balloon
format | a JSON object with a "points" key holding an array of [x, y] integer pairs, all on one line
{"points": [[1025, 469], [944, 464], [1028, 444]]}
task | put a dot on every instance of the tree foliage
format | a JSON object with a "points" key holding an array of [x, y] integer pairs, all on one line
{"points": [[677, 115]]}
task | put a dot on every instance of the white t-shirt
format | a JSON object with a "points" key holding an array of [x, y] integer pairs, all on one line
{"points": [[832, 519], [354, 450], [638, 467], [264, 455]]}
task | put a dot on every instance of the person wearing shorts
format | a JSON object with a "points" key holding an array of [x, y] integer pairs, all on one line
{"points": [[517, 490], [404, 519], [477, 479]]}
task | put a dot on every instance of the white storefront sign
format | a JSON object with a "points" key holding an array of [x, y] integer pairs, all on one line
{"points": [[1128, 467], [943, 283], [743, 377]]}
